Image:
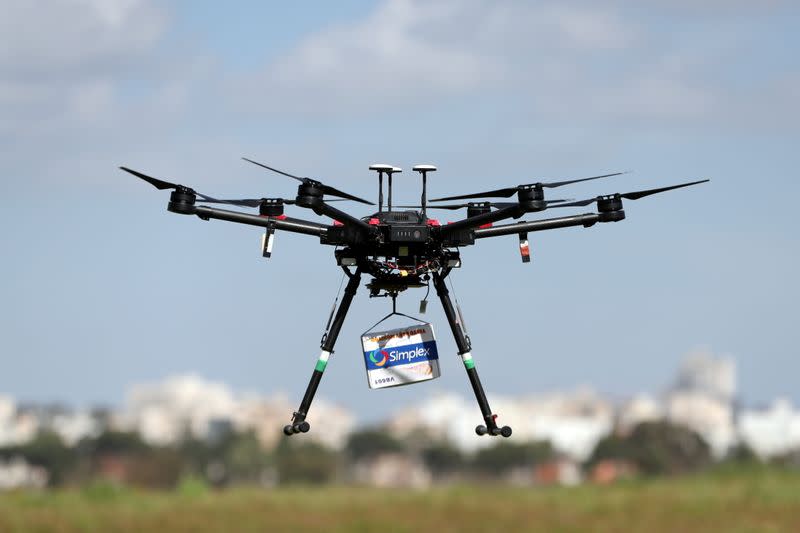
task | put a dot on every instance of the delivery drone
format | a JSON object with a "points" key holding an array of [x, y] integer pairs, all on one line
{"points": [[402, 248]]}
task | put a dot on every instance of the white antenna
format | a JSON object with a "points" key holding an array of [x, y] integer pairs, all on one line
{"points": [[394, 170], [424, 169], [381, 168]]}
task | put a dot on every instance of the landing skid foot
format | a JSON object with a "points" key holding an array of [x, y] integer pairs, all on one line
{"points": [[504, 431], [300, 427]]}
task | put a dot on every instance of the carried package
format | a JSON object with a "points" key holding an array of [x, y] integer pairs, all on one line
{"points": [[400, 356]]}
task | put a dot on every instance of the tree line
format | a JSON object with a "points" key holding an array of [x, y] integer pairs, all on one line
{"points": [[650, 449]]}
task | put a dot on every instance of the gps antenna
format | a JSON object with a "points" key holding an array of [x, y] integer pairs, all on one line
{"points": [[381, 168], [390, 172], [424, 169]]}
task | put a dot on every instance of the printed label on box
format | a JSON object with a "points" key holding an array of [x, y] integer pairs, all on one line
{"points": [[400, 356]]}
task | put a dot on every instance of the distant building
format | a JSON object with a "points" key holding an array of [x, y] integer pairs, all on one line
{"points": [[15, 427], [75, 426], [16, 473], [771, 431], [165, 412], [331, 424], [702, 400], [712, 376], [639, 409], [573, 422], [8, 409], [20, 424], [446, 416]]}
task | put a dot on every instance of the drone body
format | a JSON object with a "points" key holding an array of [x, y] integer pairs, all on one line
{"points": [[399, 249]]}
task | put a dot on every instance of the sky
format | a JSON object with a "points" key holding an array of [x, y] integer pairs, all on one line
{"points": [[103, 288]]}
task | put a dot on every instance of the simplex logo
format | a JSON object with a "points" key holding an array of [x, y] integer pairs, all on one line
{"points": [[378, 360], [400, 355]]}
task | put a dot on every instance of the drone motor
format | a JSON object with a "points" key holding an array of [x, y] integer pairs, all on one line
{"points": [[181, 201], [271, 207]]}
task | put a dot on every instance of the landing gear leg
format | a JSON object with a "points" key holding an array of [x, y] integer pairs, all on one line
{"points": [[462, 342], [299, 424]]}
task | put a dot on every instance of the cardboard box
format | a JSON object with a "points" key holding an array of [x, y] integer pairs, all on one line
{"points": [[400, 356]]}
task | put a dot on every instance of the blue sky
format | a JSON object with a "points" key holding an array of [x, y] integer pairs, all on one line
{"points": [[103, 288]]}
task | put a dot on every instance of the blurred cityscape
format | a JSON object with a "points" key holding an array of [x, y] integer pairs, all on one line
{"points": [[187, 427]]}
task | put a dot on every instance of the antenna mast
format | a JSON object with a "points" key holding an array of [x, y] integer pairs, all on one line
{"points": [[381, 168], [424, 169]]}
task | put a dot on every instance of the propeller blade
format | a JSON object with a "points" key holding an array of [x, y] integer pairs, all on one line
{"points": [[498, 205], [161, 185], [256, 202], [248, 202], [497, 193], [579, 203], [641, 194], [443, 206], [553, 184], [501, 205], [510, 191], [559, 201], [155, 182], [298, 178], [327, 189], [635, 195]]}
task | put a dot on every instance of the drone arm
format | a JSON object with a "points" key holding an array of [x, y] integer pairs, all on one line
{"points": [[293, 225], [514, 211], [341, 216], [586, 221]]}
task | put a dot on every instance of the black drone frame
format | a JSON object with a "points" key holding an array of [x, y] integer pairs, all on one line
{"points": [[360, 242]]}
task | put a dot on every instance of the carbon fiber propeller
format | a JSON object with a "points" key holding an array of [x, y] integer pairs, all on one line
{"points": [[511, 191], [635, 195], [327, 189]]}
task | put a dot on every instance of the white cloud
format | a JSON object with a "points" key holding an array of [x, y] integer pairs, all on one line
{"points": [[69, 65], [390, 55], [412, 54], [57, 38], [61, 61], [581, 63], [415, 53]]}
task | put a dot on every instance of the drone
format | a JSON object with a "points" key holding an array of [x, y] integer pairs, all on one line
{"points": [[400, 247]]}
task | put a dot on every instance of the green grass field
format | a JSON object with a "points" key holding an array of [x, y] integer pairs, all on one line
{"points": [[758, 500]]}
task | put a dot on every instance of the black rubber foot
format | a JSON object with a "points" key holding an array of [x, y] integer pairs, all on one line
{"points": [[300, 427], [505, 431]]}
